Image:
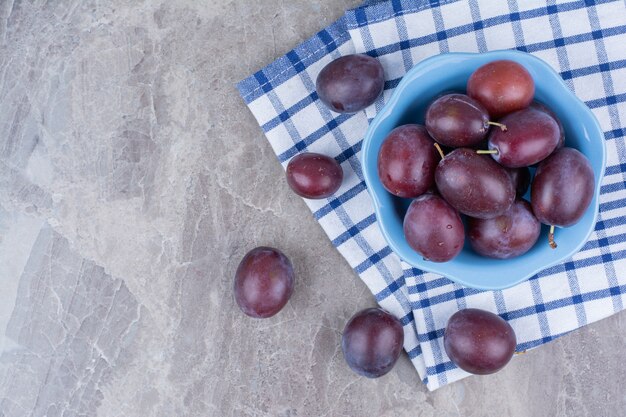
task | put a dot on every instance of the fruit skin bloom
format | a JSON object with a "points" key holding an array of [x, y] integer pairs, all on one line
{"points": [[433, 228], [502, 87], [351, 83], [475, 185], [372, 342], [313, 175], [479, 341], [407, 161], [506, 236], [531, 136], [457, 120], [562, 188], [264, 282]]}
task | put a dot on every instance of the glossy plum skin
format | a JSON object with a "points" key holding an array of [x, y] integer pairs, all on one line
{"points": [[263, 282], [372, 342], [501, 87], [562, 188], [530, 137], [506, 236], [407, 161], [433, 228], [350, 83], [478, 341], [521, 180], [474, 184], [313, 175], [457, 120], [542, 107]]}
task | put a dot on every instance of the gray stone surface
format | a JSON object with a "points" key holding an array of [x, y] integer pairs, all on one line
{"points": [[132, 181]]}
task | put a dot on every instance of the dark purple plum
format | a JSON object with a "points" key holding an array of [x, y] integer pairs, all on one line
{"points": [[474, 184], [562, 188], [531, 135], [263, 282], [372, 342], [407, 161], [433, 228], [509, 235], [521, 180], [542, 107], [457, 120], [315, 176], [350, 83], [478, 341], [502, 87]]}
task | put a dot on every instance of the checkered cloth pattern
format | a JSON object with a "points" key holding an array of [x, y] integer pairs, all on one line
{"points": [[583, 40]]}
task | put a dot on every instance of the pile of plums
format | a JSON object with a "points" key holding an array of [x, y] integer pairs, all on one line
{"points": [[491, 135]]}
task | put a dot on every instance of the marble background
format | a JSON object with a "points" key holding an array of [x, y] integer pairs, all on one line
{"points": [[132, 181]]}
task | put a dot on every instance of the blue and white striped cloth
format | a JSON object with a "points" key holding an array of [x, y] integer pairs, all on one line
{"points": [[583, 40]]}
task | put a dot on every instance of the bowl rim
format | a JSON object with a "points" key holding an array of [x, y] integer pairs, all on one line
{"points": [[389, 107]]}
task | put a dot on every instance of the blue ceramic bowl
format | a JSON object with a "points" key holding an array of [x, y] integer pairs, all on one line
{"points": [[450, 72]]}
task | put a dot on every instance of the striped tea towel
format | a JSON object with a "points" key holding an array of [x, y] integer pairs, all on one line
{"points": [[582, 40]]}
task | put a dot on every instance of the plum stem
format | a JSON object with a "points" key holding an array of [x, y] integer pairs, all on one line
{"points": [[500, 125], [520, 352], [439, 150], [487, 151], [551, 238]]}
